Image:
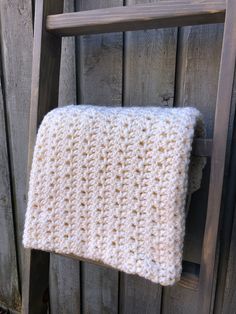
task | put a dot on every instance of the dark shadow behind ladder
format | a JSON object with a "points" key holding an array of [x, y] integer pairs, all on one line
{"points": [[50, 25]]}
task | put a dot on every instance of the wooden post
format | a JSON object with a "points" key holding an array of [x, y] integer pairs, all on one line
{"points": [[44, 97], [223, 104]]}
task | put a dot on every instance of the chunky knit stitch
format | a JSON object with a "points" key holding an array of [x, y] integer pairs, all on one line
{"points": [[110, 184]]}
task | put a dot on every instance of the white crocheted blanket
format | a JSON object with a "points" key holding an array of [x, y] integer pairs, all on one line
{"points": [[110, 184]]}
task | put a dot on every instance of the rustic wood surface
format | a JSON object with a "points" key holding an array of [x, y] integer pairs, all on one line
{"points": [[229, 294], [138, 68], [225, 275], [149, 66], [16, 61], [65, 272], [223, 102], [198, 59], [64, 285], [67, 81], [160, 15], [197, 76], [44, 97], [9, 289]]}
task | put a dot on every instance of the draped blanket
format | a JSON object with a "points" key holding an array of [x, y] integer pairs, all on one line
{"points": [[109, 185]]}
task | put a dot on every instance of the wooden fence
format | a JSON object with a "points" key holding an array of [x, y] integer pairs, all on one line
{"points": [[157, 67]]}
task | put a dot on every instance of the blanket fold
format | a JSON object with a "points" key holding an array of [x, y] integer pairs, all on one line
{"points": [[110, 184]]}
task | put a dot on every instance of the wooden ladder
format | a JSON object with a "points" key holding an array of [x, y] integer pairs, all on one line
{"points": [[50, 25]]}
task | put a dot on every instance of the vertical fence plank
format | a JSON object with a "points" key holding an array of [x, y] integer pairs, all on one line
{"points": [[9, 283], [149, 65], [17, 61], [229, 295], [64, 285], [100, 62], [197, 78], [196, 84], [138, 295], [99, 82], [65, 272], [67, 84], [149, 72]]}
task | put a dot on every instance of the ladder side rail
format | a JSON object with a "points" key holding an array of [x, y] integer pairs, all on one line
{"points": [[222, 114], [44, 97]]}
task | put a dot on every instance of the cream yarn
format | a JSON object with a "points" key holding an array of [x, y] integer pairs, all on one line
{"points": [[109, 185]]}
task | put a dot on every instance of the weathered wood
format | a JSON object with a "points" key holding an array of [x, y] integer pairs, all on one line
{"points": [[9, 283], [67, 81], [179, 300], [99, 82], [44, 97], [198, 59], [100, 63], [99, 289], [190, 276], [17, 60], [149, 66], [223, 104], [65, 272], [159, 15], [229, 296], [138, 295], [64, 285], [149, 71], [195, 220], [225, 277]]}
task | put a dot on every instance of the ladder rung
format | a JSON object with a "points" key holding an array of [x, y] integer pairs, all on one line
{"points": [[202, 147], [136, 17]]}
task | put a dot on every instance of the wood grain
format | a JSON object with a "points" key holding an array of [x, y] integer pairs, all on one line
{"points": [[147, 79], [229, 295], [17, 65], [179, 300], [199, 51], [67, 81], [65, 272], [9, 281], [64, 285], [100, 63], [149, 66], [99, 82], [225, 275], [44, 97], [159, 15], [138, 295], [198, 59], [223, 106]]}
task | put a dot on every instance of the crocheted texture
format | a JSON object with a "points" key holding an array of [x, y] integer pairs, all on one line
{"points": [[109, 185]]}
